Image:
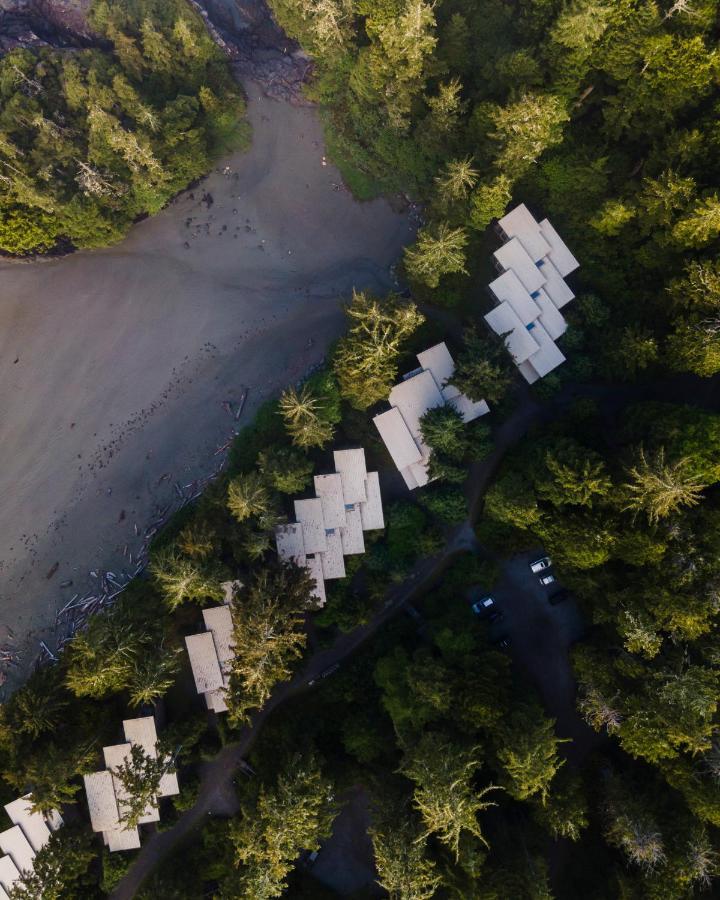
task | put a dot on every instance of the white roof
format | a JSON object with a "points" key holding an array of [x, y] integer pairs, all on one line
{"points": [[15, 845], [351, 534], [396, 435], [514, 256], [3, 894], [414, 397], [102, 803], [559, 253], [122, 839], [416, 475], [438, 360], [332, 559], [350, 464], [116, 756], [32, 823], [314, 566], [557, 289], [551, 319], [204, 662], [468, 409], [310, 515], [289, 542], [519, 341], [330, 491], [509, 287], [521, 223], [9, 873], [371, 512], [216, 701], [142, 731], [54, 819], [549, 356], [527, 372], [218, 621]]}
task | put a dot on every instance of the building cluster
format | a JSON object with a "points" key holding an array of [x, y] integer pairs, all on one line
{"points": [[420, 390], [331, 525], [107, 797], [211, 651], [29, 834], [531, 291]]}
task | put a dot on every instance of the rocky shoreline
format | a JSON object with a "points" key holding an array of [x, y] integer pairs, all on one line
{"points": [[244, 30]]}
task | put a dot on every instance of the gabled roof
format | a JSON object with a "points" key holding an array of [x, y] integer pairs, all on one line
{"points": [[396, 435], [514, 256], [557, 289], [439, 361], [371, 512], [142, 731], [314, 566], [551, 319], [351, 534], [122, 839], [332, 559], [204, 662], [102, 803], [504, 321], [508, 287], [330, 491], [15, 845], [521, 223], [559, 253], [32, 823], [218, 621], [350, 464], [310, 515], [549, 356], [9, 873], [414, 397], [289, 543]]}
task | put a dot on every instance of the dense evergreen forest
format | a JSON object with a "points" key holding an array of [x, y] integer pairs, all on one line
{"points": [[602, 115], [91, 140]]}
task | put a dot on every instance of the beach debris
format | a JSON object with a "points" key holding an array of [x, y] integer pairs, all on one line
{"points": [[52, 570]]}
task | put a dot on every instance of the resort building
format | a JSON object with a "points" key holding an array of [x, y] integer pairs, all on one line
{"points": [[211, 651], [530, 292], [29, 834], [420, 390], [331, 525], [107, 798]]}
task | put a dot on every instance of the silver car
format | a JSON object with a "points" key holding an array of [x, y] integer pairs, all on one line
{"points": [[540, 565]]}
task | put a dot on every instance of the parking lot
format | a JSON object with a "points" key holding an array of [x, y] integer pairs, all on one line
{"points": [[540, 639]]}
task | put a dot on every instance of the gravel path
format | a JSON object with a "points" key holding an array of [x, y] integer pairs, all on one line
{"points": [[114, 364]]}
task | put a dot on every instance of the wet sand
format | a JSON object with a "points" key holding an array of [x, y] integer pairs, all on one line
{"points": [[115, 364]]}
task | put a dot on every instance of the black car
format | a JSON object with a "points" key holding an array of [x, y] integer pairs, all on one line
{"points": [[558, 596], [496, 616], [502, 642]]}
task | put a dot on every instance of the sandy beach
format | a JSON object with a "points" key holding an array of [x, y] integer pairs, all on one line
{"points": [[115, 365]]}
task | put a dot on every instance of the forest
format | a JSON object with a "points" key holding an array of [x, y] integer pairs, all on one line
{"points": [[602, 115], [94, 139]]}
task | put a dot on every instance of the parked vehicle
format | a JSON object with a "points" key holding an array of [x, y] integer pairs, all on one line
{"points": [[502, 642], [483, 606], [539, 565], [545, 580], [558, 596]]}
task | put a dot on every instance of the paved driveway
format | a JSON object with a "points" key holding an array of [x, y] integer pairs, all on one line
{"points": [[541, 636]]}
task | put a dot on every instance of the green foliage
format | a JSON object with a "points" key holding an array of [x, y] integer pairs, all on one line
{"points": [[268, 634], [92, 139], [367, 356], [529, 754], [181, 579], [140, 775], [437, 252], [305, 419], [404, 869], [292, 815], [286, 469], [483, 370]]}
